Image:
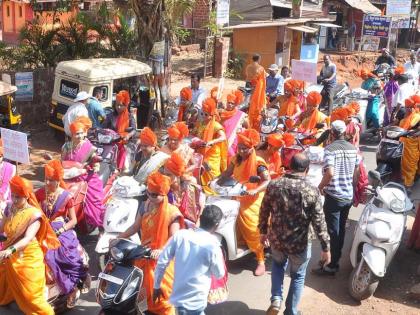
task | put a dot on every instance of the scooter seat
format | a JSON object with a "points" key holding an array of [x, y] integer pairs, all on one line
{"points": [[226, 182]]}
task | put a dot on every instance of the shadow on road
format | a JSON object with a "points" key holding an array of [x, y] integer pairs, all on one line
{"points": [[232, 308]]}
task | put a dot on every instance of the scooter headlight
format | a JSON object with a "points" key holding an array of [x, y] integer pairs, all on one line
{"points": [[130, 289], [116, 254], [397, 205]]}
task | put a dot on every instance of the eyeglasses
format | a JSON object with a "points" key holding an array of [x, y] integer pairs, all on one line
{"points": [[152, 195]]}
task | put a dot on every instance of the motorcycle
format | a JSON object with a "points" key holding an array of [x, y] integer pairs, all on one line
{"points": [[389, 152], [120, 214], [339, 92], [269, 123], [226, 191], [120, 282], [377, 236], [247, 91], [383, 72]]}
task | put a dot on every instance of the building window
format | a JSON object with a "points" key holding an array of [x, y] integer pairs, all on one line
{"points": [[8, 11], [20, 11]]}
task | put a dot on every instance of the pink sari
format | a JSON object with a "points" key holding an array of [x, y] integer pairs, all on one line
{"points": [[94, 208], [232, 126]]}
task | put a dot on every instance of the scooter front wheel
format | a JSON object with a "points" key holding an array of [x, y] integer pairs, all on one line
{"points": [[362, 284]]}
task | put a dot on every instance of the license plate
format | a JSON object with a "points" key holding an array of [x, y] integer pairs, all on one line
{"points": [[59, 116], [100, 151], [110, 278]]}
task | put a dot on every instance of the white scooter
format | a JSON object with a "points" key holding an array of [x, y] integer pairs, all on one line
{"points": [[120, 213], [377, 236], [226, 192]]}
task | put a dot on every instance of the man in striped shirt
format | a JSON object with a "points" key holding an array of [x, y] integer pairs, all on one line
{"points": [[340, 175]]}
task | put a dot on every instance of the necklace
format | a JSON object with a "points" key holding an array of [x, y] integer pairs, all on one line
{"points": [[50, 199]]}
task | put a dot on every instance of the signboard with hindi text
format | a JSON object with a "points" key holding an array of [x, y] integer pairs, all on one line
{"points": [[222, 12], [378, 26], [24, 82], [304, 71], [15, 145], [398, 8]]}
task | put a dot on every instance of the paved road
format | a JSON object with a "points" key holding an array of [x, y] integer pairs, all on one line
{"points": [[250, 295]]}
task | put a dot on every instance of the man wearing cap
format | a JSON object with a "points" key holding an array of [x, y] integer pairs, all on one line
{"points": [[341, 173], [76, 110], [274, 82], [385, 57]]}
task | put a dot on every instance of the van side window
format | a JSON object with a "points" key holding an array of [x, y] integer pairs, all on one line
{"points": [[69, 89], [104, 89]]}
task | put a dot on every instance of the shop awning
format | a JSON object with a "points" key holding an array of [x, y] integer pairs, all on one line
{"points": [[364, 6], [303, 28], [328, 25]]}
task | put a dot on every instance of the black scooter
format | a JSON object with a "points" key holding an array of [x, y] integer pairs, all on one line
{"points": [[389, 152], [120, 282]]}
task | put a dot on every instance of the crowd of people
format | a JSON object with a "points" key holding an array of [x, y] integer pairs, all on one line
{"points": [[214, 138]]}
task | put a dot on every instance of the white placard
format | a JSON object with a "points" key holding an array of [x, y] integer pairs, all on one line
{"points": [[222, 12], [304, 71], [15, 145], [398, 8]]}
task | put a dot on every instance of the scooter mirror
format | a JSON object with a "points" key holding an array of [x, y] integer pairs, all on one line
{"points": [[374, 178]]}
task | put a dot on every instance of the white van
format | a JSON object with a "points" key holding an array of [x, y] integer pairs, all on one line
{"points": [[109, 74]]}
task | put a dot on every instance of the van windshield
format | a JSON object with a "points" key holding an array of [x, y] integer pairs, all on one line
{"points": [[69, 89], [131, 84]]}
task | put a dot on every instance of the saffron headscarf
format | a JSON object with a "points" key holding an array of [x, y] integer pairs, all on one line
{"points": [[210, 106], [179, 131], [231, 98], [158, 183], [288, 139], [313, 99], [148, 137], [410, 103], [85, 121], [77, 126], [275, 140], [239, 96], [341, 113], [399, 70], [213, 93], [175, 164], [249, 137], [23, 188], [355, 106], [123, 119], [186, 94], [55, 171]]}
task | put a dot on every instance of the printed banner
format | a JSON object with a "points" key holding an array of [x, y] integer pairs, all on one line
{"points": [[304, 71], [15, 145], [25, 86], [376, 26]]}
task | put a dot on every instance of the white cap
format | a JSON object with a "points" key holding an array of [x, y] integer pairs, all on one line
{"points": [[81, 96], [274, 67], [338, 126]]}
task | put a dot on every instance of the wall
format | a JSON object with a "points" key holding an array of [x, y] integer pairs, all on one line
{"points": [[37, 111], [200, 18], [20, 18], [7, 19], [263, 42]]}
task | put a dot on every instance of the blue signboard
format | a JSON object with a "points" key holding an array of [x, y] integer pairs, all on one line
{"points": [[25, 86], [309, 53], [376, 26]]}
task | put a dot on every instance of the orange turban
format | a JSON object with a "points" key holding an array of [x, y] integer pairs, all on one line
{"points": [[340, 113], [409, 102], [355, 106], [85, 121], [148, 137], [23, 188], [399, 70], [313, 99], [416, 99], [175, 164], [299, 84], [55, 171], [77, 126], [210, 106], [213, 93], [275, 140], [249, 138], [288, 86], [179, 131], [231, 98], [186, 94], [288, 139], [158, 184], [123, 97], [239, 96]]}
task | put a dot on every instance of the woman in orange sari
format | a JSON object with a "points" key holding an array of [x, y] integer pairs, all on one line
{"points": [[312, 120], [289, 103], [214, 147], [185, 99], [159, 221], [269, 151], [29, 237], [120, 120], [244, 165], [176, 134]]}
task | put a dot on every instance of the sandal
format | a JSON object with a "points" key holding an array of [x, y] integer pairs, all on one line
{"points": [[72, 298]]}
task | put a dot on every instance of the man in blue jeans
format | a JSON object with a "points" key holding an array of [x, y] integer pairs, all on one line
{"points": [[341, 173], [289, 206], [197, 256]]}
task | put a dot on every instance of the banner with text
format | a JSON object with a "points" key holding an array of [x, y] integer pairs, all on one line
{"points": [[15, 145], [378, 26], [304, 71]]}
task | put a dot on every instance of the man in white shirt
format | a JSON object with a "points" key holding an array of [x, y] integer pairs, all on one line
{"points": [[412, 69], [76, 110], [198, 93], [198, 256], [404, 91]]}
